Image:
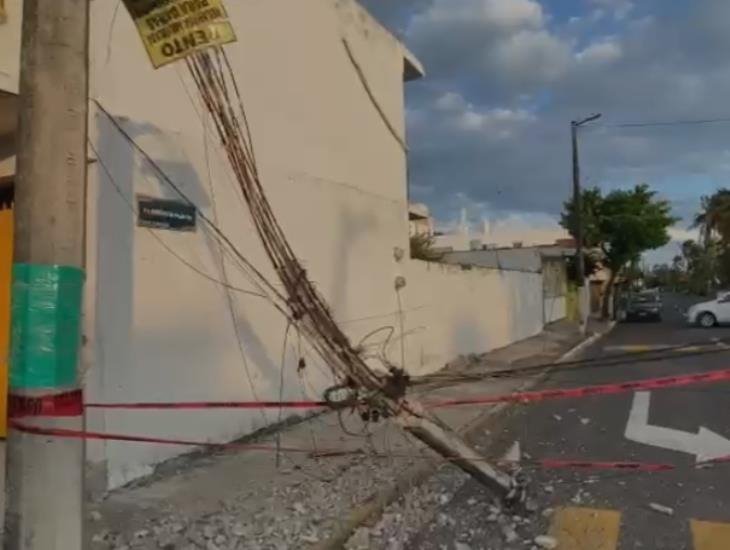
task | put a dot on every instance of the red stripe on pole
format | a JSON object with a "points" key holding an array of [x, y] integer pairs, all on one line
{"points": [[67, 404]]}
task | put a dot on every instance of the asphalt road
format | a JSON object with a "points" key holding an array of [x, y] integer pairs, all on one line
{"points": [[593, 510]]}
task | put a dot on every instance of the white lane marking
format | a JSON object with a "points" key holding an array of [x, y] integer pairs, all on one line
{"points": [[704, 445]]}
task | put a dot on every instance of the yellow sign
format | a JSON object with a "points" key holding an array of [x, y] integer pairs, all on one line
{"points": [[173, 29]]}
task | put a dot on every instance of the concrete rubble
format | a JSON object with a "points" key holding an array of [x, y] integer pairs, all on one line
{"points": [[235, 501]]}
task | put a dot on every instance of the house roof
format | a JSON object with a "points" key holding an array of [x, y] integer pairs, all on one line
{"points": [[418, 211]]}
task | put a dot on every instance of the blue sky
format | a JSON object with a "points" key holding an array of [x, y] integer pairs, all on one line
{"points": [[489, 125]]}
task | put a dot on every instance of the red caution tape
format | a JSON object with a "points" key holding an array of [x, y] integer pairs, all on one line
{"points": [[61, 405], [523, 397], [625, 466], [607, 389], [212, 405], [99, 436], [332, 453]]}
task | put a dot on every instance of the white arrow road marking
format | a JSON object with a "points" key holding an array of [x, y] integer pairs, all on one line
{"points": [[705, 444]]}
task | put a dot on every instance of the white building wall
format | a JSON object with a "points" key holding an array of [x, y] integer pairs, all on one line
{"points": [[335, 177], [451, 311], [160, 322], [556, 309], [10, 32]]}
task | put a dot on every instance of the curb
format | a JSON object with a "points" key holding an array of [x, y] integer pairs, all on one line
{"points": [[588, 342], [376, 504]]}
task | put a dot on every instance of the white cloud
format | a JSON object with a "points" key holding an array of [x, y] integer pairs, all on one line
{"points": [[529, 229], [600, 52], [506, 229], [665, 254], [513, 13], [532, 56], [505, 77], [451, 101], [619, 8], [681, 234], [597, 15], [499, 122], [499, 14], [506, 39]]}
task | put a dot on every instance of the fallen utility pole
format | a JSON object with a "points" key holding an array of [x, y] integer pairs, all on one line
{"points": [[295, 296], [45, 474], [451, 446], [306, 308]]}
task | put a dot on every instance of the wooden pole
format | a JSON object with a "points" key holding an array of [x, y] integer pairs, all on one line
{"points": [[578, 210], [45, 474]]}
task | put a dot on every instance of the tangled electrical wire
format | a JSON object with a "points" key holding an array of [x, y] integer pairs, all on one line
{"points": [[305, 307]]}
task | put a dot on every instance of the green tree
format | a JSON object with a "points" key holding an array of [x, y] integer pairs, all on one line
{"points": [[714, 218], [700, 263], [422, 248], [713, 221], [623, 224], [591, 264], [592, 202], [669, 276]]}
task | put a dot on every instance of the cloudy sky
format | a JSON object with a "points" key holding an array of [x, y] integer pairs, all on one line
{"points": [[489, 125]]}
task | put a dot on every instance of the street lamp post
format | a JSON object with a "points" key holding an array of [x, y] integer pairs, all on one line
{"points": [[579, 230]]}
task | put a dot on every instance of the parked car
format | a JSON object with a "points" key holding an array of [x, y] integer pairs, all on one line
{"points": [[711, 313], [641, 306]]}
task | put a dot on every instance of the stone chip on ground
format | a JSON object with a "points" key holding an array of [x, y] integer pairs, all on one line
{"points": [[660, 508], [547, 542]]}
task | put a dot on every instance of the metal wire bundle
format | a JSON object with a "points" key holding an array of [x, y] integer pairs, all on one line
{"points": [[304, 306]]}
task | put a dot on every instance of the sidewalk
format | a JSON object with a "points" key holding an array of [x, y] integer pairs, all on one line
{"points": [[241, 500]]}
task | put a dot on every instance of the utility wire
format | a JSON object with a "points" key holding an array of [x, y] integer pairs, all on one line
{"points": [[652, 356], [167, 247], [662, 123], [257, 277]]}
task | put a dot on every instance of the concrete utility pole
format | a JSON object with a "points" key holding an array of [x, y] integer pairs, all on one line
{"points": [[45, 474], [579, 230]]}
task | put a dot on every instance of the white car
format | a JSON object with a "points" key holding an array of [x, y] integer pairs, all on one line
{"points": [[712, 313]]}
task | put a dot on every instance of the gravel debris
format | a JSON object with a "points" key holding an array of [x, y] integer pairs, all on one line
{"points": [[306, 500], [304, 507], [509, 534]]}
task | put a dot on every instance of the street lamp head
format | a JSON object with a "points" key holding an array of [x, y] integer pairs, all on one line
{"points": [[591, 118]]}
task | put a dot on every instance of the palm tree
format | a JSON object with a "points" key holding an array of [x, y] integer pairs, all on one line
{"points": [[714, 219]]}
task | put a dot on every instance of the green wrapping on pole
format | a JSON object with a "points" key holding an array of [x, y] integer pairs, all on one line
{"points": [[45, 328]]}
